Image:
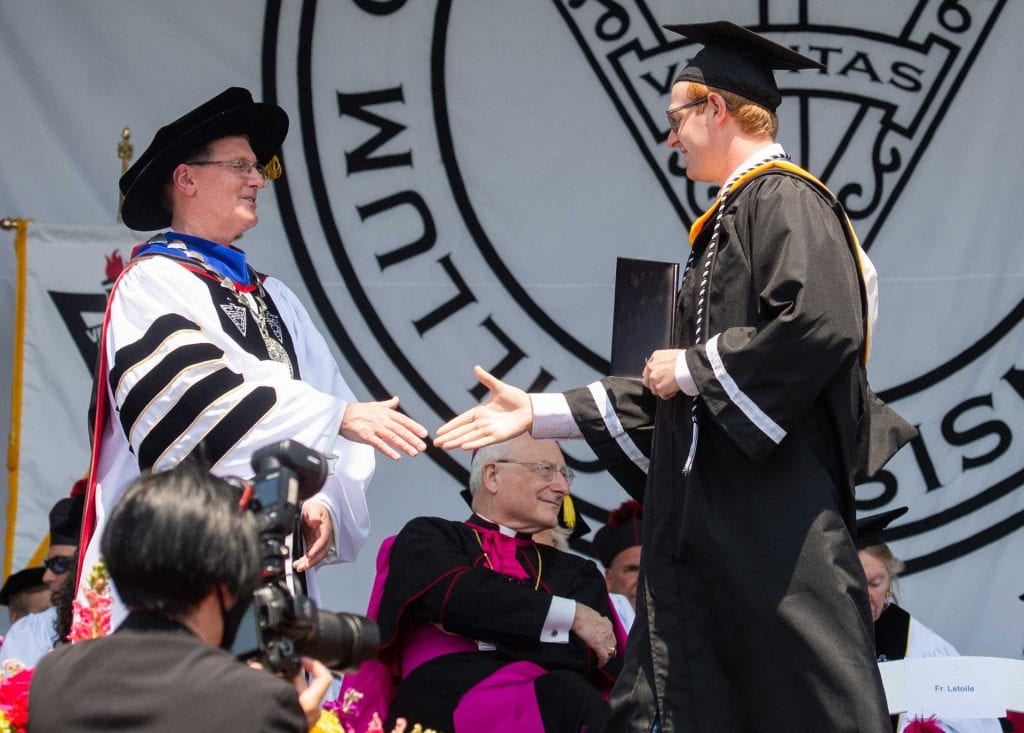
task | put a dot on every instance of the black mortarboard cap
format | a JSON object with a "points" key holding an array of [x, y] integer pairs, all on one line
{"points": [[871, 529], [20, 581], [738, 60], [623, 530], [66, 520]]}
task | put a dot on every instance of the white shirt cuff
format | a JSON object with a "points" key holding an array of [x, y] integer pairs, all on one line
{"points": [[559, 620], [552, 418], [683, 377]]}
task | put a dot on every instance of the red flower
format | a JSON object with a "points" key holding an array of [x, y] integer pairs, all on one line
{"points": [[14, 698]]}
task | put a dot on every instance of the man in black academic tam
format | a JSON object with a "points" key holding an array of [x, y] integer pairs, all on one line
{"points": [[744, 439], [203, 357], [617, 545], [24, 592], [65, 532]]}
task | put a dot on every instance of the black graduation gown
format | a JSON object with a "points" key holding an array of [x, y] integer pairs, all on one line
{"points": [[753, 611], [439, 574]]}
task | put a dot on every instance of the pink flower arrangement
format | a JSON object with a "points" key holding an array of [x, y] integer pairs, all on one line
{"points": [[14, 701], [91, 616]]}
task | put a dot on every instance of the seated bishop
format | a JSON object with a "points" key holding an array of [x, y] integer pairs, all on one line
{"points": [[484, 629]]}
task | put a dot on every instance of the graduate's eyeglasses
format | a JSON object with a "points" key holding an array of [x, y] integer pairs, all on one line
{"points": [[238, 165], [544, 469], [58, 565], [673, 122]]}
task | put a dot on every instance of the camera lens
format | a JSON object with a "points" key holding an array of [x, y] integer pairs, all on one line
{"points": [[341, 641]]}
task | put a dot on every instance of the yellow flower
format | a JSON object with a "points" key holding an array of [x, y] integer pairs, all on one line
{"points": [[327, 723]]}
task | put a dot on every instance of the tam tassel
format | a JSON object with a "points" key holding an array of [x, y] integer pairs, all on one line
{"points": [[273, 169], [568, 512], [625, 513]]}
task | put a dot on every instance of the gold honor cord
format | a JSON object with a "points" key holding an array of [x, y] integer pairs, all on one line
{"points": [[125, 151]]}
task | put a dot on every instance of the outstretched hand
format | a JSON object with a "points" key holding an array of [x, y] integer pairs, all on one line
{"points": [[381, 425], [505, 414]]}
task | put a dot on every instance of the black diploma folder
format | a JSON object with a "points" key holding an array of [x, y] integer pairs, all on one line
{"points": [[644, 315]]}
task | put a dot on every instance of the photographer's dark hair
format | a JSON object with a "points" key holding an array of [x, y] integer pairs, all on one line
{"points": [[174, 536]]}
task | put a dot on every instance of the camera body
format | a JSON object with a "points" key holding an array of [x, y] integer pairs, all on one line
{"points": [[281, 625]]}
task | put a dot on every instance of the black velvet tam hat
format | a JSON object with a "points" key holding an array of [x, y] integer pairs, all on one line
{"points": [[739, 61], [871, 529], [20, 581], [66, 520], [623, 530], [232, 112]]}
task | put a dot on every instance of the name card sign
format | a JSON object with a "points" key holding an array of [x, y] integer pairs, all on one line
{"points": [[955, 687]]}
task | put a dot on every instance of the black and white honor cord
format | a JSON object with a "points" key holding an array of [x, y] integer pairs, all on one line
{"points": [[705, 283]]}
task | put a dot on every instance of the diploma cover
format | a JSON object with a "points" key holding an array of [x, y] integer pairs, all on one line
{"points": [[644, 315]]}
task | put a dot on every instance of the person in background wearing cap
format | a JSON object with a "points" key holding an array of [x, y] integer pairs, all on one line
{"points": [[744, 441], [483, 628], [898, 635], [617, 545], [33, 636], [202, 356], [24, 592]]}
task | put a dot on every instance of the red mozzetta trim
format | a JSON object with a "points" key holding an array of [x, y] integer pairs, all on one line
{"points": [[99, 424]]}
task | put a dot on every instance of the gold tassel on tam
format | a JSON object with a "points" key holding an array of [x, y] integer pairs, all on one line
{"points": [[273, 169], [568, 512]]}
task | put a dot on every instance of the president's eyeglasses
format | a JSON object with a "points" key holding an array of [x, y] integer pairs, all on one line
{"points": [[240, 166]]}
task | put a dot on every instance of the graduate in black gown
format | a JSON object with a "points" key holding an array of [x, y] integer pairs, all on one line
{"points": [[744, 441], [484, 629]]}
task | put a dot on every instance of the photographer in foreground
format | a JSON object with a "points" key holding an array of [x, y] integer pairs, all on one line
{"points": [[185, 560]]}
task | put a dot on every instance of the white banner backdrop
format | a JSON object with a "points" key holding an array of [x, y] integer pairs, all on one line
{"points": [[66, 272], [460, 176]]}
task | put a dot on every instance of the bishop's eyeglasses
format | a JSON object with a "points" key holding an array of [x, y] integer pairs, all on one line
{"points": [[544, 469]]}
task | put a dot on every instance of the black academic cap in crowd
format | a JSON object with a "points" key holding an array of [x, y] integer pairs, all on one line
{"points": [[738, 60], [232, 112], [871, 529], [20, 581], [623, 530], [66, 520]]}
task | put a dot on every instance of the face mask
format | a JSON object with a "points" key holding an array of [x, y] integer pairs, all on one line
{"points": [[232, 619]]}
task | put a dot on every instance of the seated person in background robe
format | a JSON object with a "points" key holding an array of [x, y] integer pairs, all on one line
{"points": [[617, 545], [898, 635], [484, 629], [24, 592]]}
